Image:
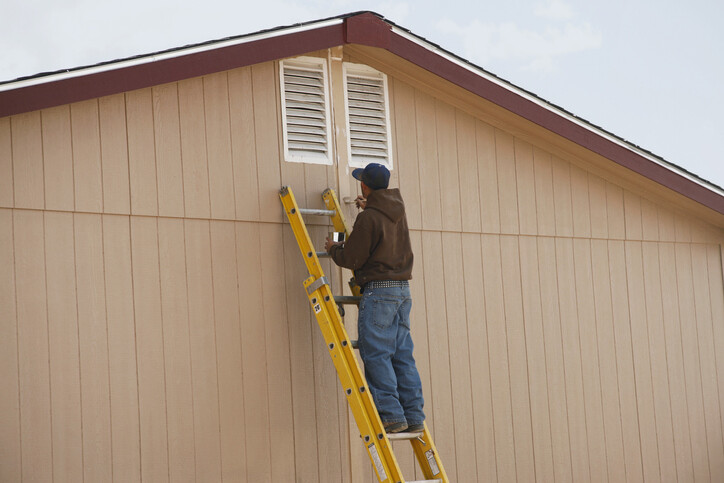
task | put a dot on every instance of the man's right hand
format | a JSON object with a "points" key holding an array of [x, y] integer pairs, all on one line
{"points": [[360, 202]]}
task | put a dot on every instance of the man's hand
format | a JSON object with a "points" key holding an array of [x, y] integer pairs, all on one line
{"points": [[361, 202], [329, 243]]}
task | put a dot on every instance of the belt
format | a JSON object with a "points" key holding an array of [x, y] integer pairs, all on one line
{"points": [[386, 283]]}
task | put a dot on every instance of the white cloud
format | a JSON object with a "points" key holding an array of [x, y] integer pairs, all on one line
{"points": [[531, 49], [554, 10]]}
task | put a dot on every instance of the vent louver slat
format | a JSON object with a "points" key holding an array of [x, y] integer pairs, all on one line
{"points": [[367, 111], [305, 110]]}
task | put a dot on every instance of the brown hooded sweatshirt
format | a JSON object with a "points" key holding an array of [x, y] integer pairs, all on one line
{"points": [[379, 246]]}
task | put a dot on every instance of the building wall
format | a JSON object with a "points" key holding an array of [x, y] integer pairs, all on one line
{"points": [[154, 325]]}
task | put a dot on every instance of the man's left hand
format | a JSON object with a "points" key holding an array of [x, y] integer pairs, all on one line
{"points": [[329, 243]]}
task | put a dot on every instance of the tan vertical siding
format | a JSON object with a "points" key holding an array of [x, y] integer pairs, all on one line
{"points": [[10, 463], [154, 326], [58, 159], [6, 165], [114, 154]]}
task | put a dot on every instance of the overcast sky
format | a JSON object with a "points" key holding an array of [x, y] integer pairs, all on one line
{"points": [[649, 71]]}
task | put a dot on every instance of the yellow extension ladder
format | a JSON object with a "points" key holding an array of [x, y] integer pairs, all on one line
{"points": [[325, 307]]}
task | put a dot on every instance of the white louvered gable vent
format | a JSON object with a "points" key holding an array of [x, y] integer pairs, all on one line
{"points": [[305, 110], [368, 119]]}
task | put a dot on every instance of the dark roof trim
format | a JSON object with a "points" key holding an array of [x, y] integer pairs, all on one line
{"points": [[363, 28]]}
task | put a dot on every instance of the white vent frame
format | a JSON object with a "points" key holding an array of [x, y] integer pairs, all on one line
{"points": [[365, 71], [312, 156]]}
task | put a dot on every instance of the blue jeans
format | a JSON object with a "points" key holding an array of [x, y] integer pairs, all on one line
{"points": [[386, 349]]}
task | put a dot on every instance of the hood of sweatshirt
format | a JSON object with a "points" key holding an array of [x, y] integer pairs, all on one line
{"points": [[388, 202]]}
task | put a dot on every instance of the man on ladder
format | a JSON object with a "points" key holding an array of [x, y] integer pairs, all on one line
{"points": [[380, 254]]}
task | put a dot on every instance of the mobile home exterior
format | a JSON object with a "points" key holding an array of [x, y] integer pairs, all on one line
{"points": [[568, 293]]}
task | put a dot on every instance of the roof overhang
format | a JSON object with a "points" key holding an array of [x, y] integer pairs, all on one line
{"points": [[366, 28]]}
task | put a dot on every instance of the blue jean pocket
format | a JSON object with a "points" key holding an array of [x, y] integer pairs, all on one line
{"points": [[383, 311]]}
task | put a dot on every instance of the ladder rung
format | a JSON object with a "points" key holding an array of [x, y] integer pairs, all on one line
{"points": [[436, 480], [355, 344], [313, 211], [403, 435], [323, 255], [347, 299]]}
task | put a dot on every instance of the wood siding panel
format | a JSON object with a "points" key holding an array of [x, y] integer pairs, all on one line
{"points": [[268, 138], [562, 197], [141, 153], [33, 371], [58, 159], [555, 366], [243, 144], [93, 338], [587, 319], [580, 202], [649, 220], [125, 426], [406, 151], [460, 373], [642, 361], [227, 311], [478, 347], [487, 177], [419, 323], [716, 287], [218, 147], [633, 216], [659, 369], [675, 358], [615, 212], [507, 186], [518, 358], [622, 322], [114, 154], [449, 171], [536, 358], [301, 353], [193, 149], [6, 165], [692, 364], [525, 183], [10, 446], [707, 359], [65, 374], [169, 171], [545, 206], [27, 148], [499, 371], [149, 347], [573, 357], [87, 171], [599, 213], [607, 364], [253, 351], [427, 153], [441, 396], [468, 175], [277, 349], [202, 330], [176, 349]]}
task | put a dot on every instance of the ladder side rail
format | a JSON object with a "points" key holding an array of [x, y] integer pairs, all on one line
{"points": [[378, 446], [354, 385]]}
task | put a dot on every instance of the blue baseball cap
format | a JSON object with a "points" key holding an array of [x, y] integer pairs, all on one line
{"points": [[374, 175]]}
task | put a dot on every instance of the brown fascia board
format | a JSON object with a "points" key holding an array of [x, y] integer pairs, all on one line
{"points": [[365, 29]]}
